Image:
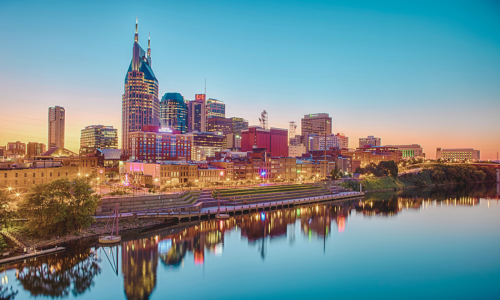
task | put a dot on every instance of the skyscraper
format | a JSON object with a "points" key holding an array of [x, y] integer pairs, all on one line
{"points": [[56, 126], [319, 124], [98, 137], [197, 114], [215, 108], [173, 112], [140, 104]]}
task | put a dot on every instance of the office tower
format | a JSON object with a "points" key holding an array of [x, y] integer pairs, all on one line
{"points": [[320, 124], [173, 112], [140, 105], [35, 149], [370, 140], [56, 126], [197, 114], [220, 124], [215, 108], [98, 137], [274, 140], [239, 124]]}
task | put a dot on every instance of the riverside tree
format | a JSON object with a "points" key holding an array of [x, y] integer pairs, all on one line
{"points": [[59, 206]]}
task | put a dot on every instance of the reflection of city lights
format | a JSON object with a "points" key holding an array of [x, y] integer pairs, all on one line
{"points": [[218, 249], [341, 223], [164, 246], [263, 216], [298, 212]]}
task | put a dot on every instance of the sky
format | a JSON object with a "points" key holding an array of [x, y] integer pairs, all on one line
{"points": [[409, 72]]}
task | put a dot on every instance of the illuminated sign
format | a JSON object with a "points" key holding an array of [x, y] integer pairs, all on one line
{"points": [[165, 129], [200, 97], [221, 173]]}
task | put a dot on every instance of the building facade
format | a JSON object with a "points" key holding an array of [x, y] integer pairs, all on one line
{"points": [[98, 137], [197, 114], [174, 112], [320, 124], [16, 150], [369, 141], [409, 151], [458, 154], [140, 104], [57, 119], [206, 144], [152, 145], [35, 149], [274, 140], [215, 108]]}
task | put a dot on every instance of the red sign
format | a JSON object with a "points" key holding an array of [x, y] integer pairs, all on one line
{"points": [[200, 97]]}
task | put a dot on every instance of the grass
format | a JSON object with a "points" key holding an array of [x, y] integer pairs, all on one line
{"points": [[261, 190], [387, 183]]}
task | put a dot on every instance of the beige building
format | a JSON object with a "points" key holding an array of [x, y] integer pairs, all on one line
{"points": [[370, 140], [296, 150], [319, 124], [409, 151], [35, 149], [458, 154], [35, 174]]}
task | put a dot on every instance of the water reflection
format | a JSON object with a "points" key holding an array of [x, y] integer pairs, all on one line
{"points": [[75, 270], [58, 275]]}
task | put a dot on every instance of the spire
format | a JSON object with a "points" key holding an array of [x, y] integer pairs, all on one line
{"points": [[149, 45], [136, 39]]}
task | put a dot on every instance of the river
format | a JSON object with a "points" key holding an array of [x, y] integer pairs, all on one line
{"points": [[417, 244]]}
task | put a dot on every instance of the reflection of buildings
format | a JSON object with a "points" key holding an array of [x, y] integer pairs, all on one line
{"points": [[139, 262]]}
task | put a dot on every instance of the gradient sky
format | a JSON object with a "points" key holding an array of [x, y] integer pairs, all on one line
{"points": [[425, 72]]}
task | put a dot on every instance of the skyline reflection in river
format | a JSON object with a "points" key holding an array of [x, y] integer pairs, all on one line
{"points": [[298, 252]]}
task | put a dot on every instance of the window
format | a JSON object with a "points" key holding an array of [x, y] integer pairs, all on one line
{"points": [[42, 176], [34, 175], [58, 174], [25, 175], [16, 181], [16, 176], [5, 175]]}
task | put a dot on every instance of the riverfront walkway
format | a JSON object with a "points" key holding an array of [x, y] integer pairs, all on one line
{"points": [[198, 213]]}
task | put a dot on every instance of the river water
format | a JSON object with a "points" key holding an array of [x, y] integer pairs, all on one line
{"points": [[416, 244]]}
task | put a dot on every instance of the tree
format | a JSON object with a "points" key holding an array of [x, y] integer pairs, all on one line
{"points": [[59, 206], [335, 173]]}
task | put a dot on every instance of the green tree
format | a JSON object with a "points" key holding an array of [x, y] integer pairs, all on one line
{"points": [[335, 173], [59, 206]]}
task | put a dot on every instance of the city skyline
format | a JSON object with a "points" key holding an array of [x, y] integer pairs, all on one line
{"points": [[438, 88]]}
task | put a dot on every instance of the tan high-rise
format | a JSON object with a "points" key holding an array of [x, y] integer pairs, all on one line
{"points": [[57, 117], [319, 124]]}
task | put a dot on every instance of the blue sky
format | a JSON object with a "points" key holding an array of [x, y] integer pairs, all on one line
{"points": [[424, 72]]}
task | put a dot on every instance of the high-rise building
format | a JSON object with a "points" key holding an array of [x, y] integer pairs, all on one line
{"points": [[370, 140], [197, 115], [35, 149], [98, 137], [174, 112], [239, 124], [140, 105], [292, 127], [274, 140], [215, 108], [320, 124], [220, 124], [57, 118]]}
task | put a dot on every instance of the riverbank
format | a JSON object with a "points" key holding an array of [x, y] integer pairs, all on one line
{"points": [[94, 230]]}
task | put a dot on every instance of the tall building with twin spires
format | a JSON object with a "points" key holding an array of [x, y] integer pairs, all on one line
{"points": [[140, 104]]}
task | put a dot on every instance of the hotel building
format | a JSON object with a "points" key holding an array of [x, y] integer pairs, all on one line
{"points": [[197, 114], [174, 112], [98, 137], [215, 108]]}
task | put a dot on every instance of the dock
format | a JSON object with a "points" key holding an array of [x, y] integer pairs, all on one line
{"points": [[31, 255]]}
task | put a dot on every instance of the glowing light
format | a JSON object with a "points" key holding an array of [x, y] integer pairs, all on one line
{"points": [[263, 216], [165, 129], [263, 173]]}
